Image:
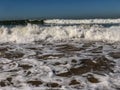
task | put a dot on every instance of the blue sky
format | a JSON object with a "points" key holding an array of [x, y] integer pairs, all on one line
{"points": [[34, 9]]}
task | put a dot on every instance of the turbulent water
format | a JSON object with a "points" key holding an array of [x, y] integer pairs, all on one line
{"points": [[61, 55]]}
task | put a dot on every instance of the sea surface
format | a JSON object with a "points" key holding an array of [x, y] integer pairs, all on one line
{"points": [[61, 55]]}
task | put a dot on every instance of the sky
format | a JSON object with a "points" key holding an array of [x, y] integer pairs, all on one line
{"points": [[47, 9]]}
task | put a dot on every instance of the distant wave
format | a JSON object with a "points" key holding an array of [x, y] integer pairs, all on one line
{"points": [[83, 21], [61, 21]]}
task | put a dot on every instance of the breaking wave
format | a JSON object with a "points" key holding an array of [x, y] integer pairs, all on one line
{"points": [[50, 33]]}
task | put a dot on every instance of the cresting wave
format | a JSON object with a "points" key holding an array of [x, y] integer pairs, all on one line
{"points": [[31, 33], [83, 21]]}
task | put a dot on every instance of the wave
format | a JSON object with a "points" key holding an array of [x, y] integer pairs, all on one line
{"points": [[31, 33], [83, 21], [60, 21]]}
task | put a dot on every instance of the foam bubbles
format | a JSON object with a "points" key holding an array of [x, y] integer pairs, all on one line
{"points": [[31, 33]]}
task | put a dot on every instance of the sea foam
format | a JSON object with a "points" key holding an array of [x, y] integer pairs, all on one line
{"points": [[51, 33]]}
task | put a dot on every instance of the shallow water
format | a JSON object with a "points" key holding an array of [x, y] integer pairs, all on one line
{"points": [[60, 63], [68, 65]]}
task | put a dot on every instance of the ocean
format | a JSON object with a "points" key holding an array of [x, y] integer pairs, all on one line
{"points": [[60, 54]]}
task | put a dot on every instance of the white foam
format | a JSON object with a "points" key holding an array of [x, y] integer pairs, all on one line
{"points": [[31, 33], [44, 71], [84, 21]]}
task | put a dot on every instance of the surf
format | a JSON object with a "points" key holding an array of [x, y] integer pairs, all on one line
{"points": [[62, 30]]}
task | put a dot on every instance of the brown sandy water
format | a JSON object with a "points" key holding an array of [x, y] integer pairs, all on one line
{"points": [[70, 66]]}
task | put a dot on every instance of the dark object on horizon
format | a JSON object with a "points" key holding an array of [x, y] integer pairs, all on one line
{"points": [[21, 22]]}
